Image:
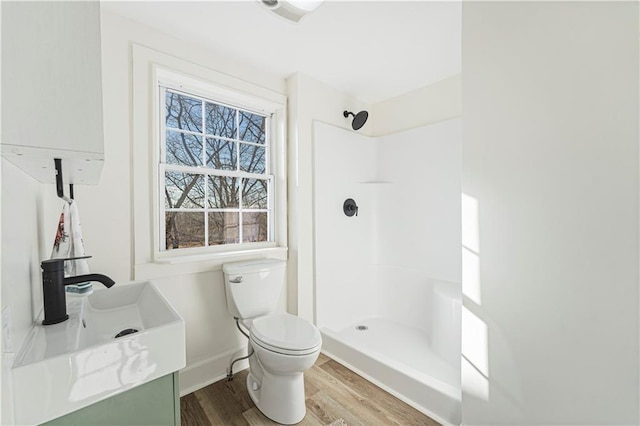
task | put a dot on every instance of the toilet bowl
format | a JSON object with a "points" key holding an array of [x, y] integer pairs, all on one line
{"points": [[283, 346]]}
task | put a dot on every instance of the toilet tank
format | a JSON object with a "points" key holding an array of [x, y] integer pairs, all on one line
{"points": [[253, 287]]}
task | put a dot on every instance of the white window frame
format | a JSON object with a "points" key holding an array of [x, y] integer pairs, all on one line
{"points": [[150, 66], [163, 166], [207, 90]]}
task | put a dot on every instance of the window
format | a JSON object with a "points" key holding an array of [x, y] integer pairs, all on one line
{"points": [[155, 73], [214, 173]]}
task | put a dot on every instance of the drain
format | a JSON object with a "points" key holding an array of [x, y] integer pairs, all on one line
{"points": [[362, 327], [126, 332]]}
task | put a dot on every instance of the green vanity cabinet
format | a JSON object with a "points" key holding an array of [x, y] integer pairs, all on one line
{"points": [[155, 403]]}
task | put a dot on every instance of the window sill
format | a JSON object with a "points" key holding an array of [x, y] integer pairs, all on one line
{"points": [[198, 263]]}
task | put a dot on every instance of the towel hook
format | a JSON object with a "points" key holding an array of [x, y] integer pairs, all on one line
{"points": [[59, 185]]}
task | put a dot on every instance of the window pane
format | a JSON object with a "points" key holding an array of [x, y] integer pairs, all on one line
{"points": [[184, 230], [252, 127], [183, 190], [183, 148], [254, 193], [221, 121], [183, 112], [254, 227], [252, 158], [221, 154], [223, 228], [223, 192]]}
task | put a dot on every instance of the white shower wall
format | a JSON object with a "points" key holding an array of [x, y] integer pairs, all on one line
{"points": [[419, 211], [406, 237], [346, 285]]}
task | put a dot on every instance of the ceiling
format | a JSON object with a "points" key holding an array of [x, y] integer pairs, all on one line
{"points": [[372, 50]]}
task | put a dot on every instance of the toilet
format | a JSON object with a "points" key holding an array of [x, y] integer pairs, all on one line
{"points": [[284, 346]]}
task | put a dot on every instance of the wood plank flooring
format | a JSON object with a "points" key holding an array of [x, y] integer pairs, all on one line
{"points": [[335, 396]]}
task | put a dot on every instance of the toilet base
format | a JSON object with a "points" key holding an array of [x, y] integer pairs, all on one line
{"points": [[280, 398]]}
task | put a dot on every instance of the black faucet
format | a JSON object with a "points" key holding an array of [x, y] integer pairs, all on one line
{"points": [[53, 283]]}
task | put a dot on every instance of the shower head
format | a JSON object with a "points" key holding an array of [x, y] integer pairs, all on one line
{"points": [[358, 119]]}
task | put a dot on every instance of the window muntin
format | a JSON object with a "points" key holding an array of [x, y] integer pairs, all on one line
{"points": [[214, 173]]}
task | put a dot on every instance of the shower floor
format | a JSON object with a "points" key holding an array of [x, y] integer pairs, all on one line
{"points": [[399, 345]]}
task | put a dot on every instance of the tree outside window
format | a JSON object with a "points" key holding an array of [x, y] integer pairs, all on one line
{"points": [[214, 172]]}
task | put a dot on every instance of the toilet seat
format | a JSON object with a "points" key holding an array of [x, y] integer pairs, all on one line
{"points": [[286, 334]]}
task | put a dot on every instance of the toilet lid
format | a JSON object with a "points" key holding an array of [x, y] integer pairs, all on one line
{"points": [[285, 331]]}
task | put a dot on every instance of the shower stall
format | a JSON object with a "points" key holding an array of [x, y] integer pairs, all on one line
{"points": [[387, 269]]}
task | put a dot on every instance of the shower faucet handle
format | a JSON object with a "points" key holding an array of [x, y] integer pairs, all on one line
{"points": [[350, 207]]}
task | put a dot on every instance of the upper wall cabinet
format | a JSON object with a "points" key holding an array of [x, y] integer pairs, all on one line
{"points": [[52, 88]]}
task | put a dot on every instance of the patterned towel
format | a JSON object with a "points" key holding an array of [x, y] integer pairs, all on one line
{"points": [[69, 243]]}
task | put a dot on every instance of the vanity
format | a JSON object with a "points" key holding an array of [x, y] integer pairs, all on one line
{"points": [[156, 403], [114, 361]]}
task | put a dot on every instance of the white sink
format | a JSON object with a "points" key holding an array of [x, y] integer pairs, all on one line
{"points": [[64, 367]]}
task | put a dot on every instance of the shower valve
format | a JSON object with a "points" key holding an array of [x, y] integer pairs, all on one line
{"points": [[350, 207]]}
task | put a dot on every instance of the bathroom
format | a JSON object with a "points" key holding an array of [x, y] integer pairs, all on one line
{"points": [[546, 197]]}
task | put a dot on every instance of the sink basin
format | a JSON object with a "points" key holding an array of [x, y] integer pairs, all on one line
{"points": [[115, 339]]}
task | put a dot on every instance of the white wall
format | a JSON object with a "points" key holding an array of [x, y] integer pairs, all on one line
{"points": [[430, 104], [27, 238], [24, 233], [550, 174]]}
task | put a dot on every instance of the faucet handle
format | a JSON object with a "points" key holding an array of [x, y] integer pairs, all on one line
{"points": [[53, 264], [64, 259]]}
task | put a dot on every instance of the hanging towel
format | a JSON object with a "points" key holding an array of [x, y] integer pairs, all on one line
{"points": [[69, 243]]}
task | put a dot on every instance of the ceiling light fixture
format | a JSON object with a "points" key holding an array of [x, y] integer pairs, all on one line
{"points": [[293, 10]]}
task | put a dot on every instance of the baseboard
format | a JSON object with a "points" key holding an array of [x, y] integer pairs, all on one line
{"points": [[203, 373]]}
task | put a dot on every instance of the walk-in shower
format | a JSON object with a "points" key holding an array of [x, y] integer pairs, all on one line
{"points": [[387, 283]]}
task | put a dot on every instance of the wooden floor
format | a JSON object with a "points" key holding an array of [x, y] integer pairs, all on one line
{"points": [[335, 395]]}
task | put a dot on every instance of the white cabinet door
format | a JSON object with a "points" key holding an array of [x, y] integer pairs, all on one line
{"points": [[52, 88]]}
